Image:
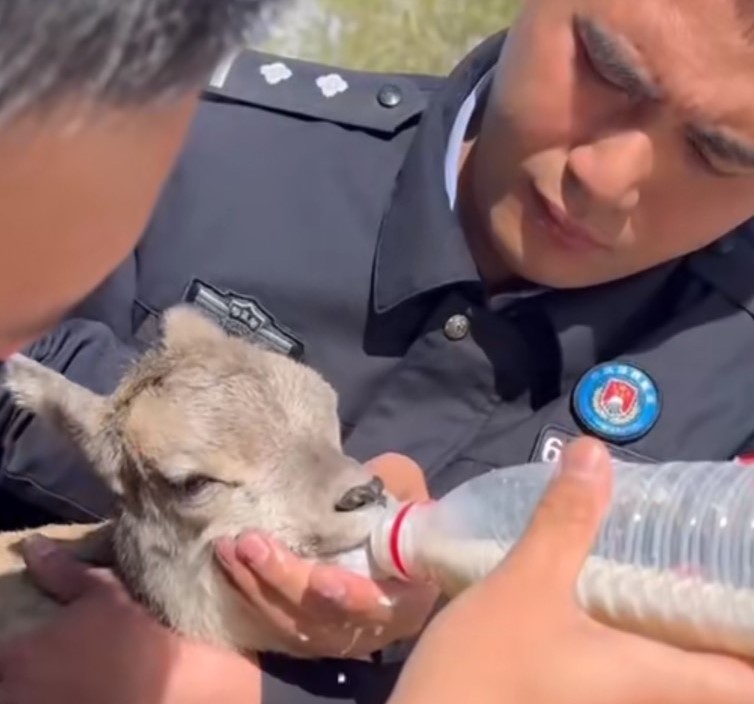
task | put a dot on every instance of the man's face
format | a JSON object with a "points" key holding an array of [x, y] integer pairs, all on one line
{"points": [[74, 198], [619, 135]]}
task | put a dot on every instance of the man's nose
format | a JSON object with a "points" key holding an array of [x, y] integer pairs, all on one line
{"points": [[610, 171], [361, 496]]}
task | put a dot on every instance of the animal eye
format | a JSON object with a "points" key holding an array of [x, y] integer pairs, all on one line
{"points": [[193, 485], [709, 163]]}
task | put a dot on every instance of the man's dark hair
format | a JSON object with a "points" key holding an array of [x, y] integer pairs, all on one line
{"points": [[115, 52]]}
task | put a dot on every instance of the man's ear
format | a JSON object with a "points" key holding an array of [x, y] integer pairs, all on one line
{"points": [[75, 411]]}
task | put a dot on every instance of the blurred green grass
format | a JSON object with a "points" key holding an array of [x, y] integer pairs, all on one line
{"points": [[423, 36]]}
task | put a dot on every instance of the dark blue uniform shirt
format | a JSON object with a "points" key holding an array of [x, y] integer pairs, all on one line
{"points": [[319, 196]]}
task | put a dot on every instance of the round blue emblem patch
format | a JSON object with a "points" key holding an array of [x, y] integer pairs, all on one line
{"points": [[617, 402]]}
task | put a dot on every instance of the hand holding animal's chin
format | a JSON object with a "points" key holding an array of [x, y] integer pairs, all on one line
{"points": [[333, 608], [322, 610]]}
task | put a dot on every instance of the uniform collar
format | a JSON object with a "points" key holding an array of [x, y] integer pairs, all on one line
{"points": [[421, 245], [473, 102]]}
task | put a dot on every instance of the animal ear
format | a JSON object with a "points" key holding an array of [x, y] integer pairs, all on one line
{"points": [[184, 327], [70, 408]]}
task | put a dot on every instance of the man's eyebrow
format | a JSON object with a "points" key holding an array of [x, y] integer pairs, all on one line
{"points": [[611, 60], [722, 146], [615, 65]]}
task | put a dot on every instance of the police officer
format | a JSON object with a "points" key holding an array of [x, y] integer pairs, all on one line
{"points": [[552, 241]]}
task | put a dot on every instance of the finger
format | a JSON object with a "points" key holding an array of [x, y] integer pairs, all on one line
{"points": [[366, 602], [339, 594], [403, 478], [273, 565], [277, 580], [269, 609], [54, 570], [238, 572], [565, 524], [255, 562]]}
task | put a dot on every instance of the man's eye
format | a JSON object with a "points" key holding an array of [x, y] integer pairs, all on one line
{"points": [[599, 72], [601, 76], [700, 158], [707, 162]]}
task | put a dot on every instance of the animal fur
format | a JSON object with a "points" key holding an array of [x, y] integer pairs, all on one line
{"points": [[206, 436]]}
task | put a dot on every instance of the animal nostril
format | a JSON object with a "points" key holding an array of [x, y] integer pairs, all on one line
{"points": [[361, 496]]}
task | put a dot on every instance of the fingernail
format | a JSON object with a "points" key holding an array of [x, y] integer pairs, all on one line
{"points": [[588, 464], [331, 589], [224, 550], [39, 547], [253, 549]]}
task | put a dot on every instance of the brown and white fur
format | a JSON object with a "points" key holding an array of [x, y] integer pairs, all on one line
{"points": [[206, 436]]}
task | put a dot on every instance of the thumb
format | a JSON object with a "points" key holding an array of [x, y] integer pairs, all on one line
{"points": [[54, 570], [403, 478], [566, 522]]}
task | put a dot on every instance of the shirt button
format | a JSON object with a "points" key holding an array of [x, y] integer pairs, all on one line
{"points": [[390, 96], [456, 327]]}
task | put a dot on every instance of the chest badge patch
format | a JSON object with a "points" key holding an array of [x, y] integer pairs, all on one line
{"points": [[244, 316], [617, 402]]}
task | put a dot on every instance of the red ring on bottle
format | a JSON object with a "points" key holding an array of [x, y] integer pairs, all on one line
{"points": [[395, 552]]}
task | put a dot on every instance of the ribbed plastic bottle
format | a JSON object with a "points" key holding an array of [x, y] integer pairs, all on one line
{"points": [[674, 559]]}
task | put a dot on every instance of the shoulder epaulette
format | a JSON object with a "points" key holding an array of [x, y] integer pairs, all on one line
{"points": [[370, 101]]}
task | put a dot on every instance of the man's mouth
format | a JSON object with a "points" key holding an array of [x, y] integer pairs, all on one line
{"points": [[563, 229]]}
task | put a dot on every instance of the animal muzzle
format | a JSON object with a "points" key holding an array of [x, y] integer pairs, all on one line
{"points": [[373, 492]]}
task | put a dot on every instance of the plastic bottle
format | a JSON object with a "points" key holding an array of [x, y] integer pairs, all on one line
{"points": [[674, 559]]}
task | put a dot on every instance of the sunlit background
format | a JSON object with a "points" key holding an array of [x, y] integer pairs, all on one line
{"points": [[426, 36]]}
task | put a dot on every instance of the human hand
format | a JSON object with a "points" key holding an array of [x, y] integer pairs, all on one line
{"points": [[104, 647], [519, 636], [324, 610]]}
